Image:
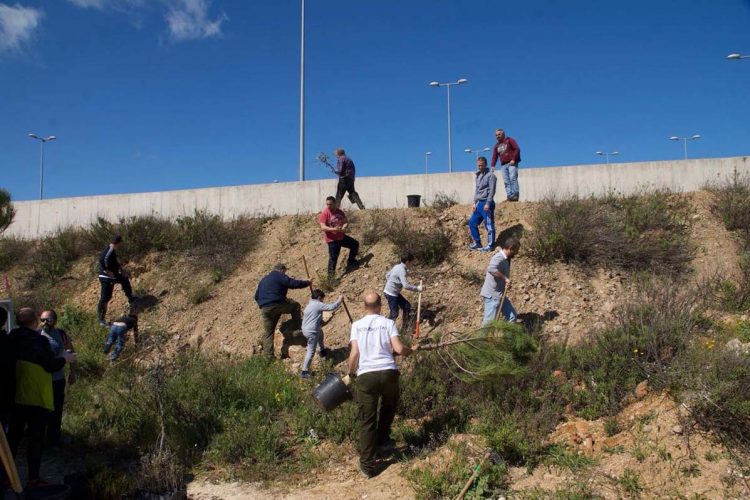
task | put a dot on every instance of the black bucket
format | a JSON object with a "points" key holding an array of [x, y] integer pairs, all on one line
{"points": [[412, 200], [331, 393]]}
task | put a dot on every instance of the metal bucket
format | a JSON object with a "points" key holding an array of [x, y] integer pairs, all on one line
{"points": [[331, 392]]}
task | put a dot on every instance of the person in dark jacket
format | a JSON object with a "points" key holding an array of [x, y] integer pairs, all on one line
{"points": [[273, 302], [59, 341], [346, 171], [111, 273], [118, 333], [35, 363]]}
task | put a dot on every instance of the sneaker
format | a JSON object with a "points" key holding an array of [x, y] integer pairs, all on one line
{"points": [[475, 246], [488, 248], [363, 471], [352, 266], [305, 374]]}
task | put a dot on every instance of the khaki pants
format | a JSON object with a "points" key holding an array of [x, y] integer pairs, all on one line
{"points": [[271, 315], [375, 426]]}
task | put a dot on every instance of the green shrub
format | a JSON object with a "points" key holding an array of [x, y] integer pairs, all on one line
{"points": [[649, 230], [732, 294], [14, 251], [732, 204], [55, 254], [443, 201], [7, 212], [430, 246], [448, 481]]}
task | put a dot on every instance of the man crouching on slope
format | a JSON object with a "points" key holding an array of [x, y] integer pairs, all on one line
{"points": [[372, 366]]}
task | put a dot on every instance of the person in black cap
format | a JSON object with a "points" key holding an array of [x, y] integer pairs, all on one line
{"points": [[111, 273], [271, 298]]}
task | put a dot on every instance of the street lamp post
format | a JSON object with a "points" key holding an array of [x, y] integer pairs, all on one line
{"points": [[607, 155], [477, 151], [42, 140], [738, 56], [684, 141], [302, 99], [428, 153], [448, 86]]}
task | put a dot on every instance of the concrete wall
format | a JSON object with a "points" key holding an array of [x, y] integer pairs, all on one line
{"points": [[35, 218]]}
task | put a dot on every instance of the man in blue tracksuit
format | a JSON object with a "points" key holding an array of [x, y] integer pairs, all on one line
{"points": [[484, 206]]}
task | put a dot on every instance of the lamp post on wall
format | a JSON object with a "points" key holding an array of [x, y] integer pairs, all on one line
{"points": [[427, 153], [607, 155], [684, 141], [302, 98], [448, 86], [42, 140]]}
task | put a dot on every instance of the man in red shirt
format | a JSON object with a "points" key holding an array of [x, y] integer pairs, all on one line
{"points": [[333, 222], [509, 154]]}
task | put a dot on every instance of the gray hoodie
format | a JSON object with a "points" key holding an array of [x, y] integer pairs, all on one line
{"points": [[313, 318], [396, 280], [486, 183]]}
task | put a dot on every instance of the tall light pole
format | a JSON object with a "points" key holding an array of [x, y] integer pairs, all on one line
{"points": [[448, 85], [42, 140], [428, 153], [684, 141], [477, 151], [607, 155], [738, 56], [302, 98]]}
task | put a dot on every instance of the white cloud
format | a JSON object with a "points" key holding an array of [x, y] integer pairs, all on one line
{"points": [[189, 20], [96, 4], [17, 26]]}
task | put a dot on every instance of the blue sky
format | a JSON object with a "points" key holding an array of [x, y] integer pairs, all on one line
{"points": [[148, 95]]}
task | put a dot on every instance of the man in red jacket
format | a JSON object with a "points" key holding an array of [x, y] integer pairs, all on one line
{"points": [[509, 153]]}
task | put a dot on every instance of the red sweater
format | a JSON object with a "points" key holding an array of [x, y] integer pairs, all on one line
{"points": [[507, 150]]}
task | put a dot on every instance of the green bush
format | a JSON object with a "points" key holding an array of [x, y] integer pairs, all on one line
{"points": [[7, 212], [448, 481], [14, 251], [732, 204], [430, 246], [55, 254], [443, 201], [733, 294], [649, 230]]}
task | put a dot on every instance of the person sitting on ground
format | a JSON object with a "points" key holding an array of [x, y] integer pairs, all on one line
{"points": [[118, 331], [484, 207], [270, 295], [333, 222], [346, 172], [59, 341], [374, 342], [110, 273], [35, 363], [395, 281], [312, 327], [497, 282]]}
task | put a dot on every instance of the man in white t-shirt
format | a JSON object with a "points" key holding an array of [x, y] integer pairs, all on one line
{"points": [[374, 343]]}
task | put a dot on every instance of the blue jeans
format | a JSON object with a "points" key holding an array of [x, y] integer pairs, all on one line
{"points": [[490, 310], [117, 336], [313, 339], [396, 303], [510, 179], [479, 215]]}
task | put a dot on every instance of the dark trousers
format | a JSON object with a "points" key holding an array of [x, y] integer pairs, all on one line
{"points": [[105, 293], [346, 185], [396, 303], [35, 419], [54, 418], [375, 426], [271, 315], [334, 249]]}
